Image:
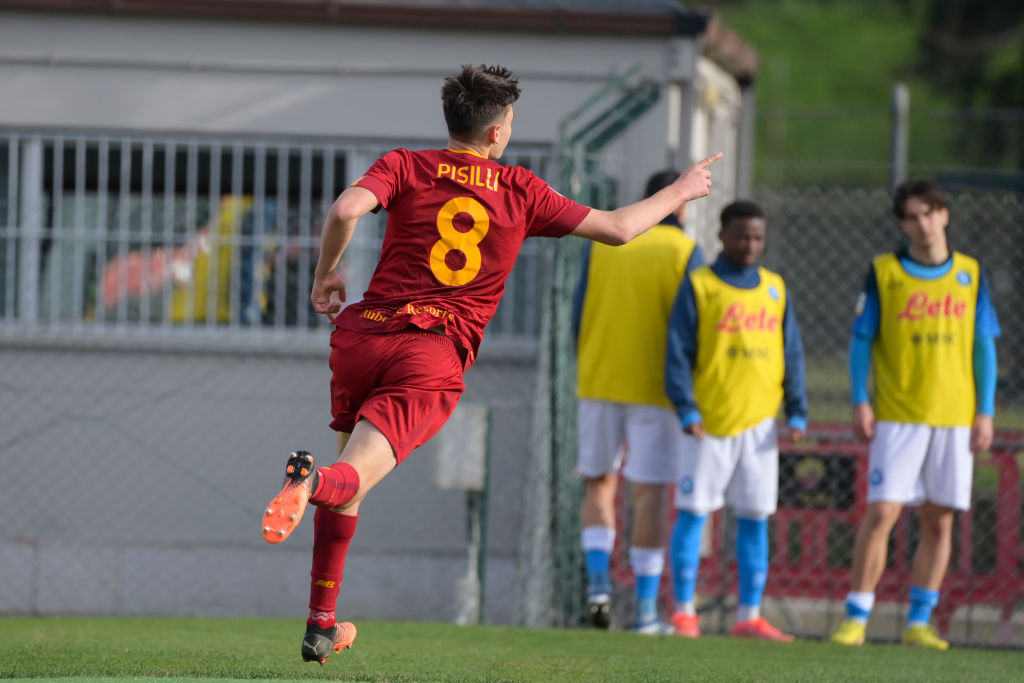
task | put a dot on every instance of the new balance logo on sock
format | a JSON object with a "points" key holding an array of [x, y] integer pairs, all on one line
{"points": [[324, 618]]}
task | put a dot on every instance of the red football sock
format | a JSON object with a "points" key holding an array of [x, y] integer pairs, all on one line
{"points": [[337, 485], [332, 534]]}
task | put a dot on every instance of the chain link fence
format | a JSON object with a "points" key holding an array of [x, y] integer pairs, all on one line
{"points": [[159, 357], [822, 241], [859, 147]]}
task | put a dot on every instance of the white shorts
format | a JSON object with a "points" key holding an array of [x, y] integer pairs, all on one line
{"points": [[653, 435], [916, 463], [741, 470]]}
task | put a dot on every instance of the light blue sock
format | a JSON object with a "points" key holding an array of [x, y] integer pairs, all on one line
{"points": [[647, 598], [598, 543], [648, 564], [598, 574], [686, 554], [751, 559], [922, 602]]}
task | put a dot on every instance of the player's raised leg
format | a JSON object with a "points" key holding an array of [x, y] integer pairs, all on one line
{"points": [[286, 509], [366, 458]]}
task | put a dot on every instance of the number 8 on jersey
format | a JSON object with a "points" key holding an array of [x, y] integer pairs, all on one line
{"points": [[455, 240]]}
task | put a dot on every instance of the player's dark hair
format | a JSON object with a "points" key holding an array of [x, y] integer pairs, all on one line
{"points": [[740, 209], [476, 98], [927, 191], [660, 180]]}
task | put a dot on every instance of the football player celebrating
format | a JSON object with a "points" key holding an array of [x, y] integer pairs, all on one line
{"points": [[456, 223]]}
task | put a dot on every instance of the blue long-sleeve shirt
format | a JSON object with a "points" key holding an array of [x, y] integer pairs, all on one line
{"points": [[681, 353], [866, 323]]}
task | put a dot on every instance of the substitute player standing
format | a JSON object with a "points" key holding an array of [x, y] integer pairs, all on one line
{"points": [[621, 311], [926, 319], [734, 353], [456, 223]]}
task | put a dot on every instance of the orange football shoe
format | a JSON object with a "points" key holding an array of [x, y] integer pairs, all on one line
{"points": [[760, 629], [686, 625], [318, 642], [285, 512]]}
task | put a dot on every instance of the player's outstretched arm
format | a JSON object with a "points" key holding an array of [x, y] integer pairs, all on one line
{"points": [[347, 209], [625, 223]]}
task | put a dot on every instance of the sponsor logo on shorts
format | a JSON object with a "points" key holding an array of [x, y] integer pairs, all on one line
{"points": [[686, 485], [376, 316], [876, 477], [380, 316], [416, 309]]}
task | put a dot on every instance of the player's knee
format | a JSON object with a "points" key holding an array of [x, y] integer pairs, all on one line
{"points": [[936, 521], [652, 495], [881, 517], [602, 485]]}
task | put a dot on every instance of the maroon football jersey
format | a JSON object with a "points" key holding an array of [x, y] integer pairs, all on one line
{"points": [[456, 223]]}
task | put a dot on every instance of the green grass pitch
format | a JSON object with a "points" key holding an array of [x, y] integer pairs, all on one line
{"points": [[233, 649]]}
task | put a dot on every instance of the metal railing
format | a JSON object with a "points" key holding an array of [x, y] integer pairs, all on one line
{"points": [[189, 239]]}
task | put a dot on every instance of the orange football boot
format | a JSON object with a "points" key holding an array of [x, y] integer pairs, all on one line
{"points": [[687, 625], [285, 512], [318, 642], [760, 629]]}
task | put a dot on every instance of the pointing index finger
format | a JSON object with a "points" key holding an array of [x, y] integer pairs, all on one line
{"points": [[710, 160]]}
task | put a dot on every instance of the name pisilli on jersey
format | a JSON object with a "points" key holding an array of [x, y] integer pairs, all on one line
{"points": [[737, 377], [923, 354], [456, 223]]}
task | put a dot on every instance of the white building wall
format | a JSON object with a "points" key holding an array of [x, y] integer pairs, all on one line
{"points": [[208, 77], [135, 483]]}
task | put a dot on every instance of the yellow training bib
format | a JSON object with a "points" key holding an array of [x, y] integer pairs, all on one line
{"points": [[737, 378], [624, 322], [923, 354]]}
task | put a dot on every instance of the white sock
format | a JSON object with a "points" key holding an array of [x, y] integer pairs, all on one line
{"points": [[747, 612], [647, 561], [863, 602], [597, 538], [686, 608]]}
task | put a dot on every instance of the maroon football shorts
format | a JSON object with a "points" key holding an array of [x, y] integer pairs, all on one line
{"points": [[405, 383]]}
